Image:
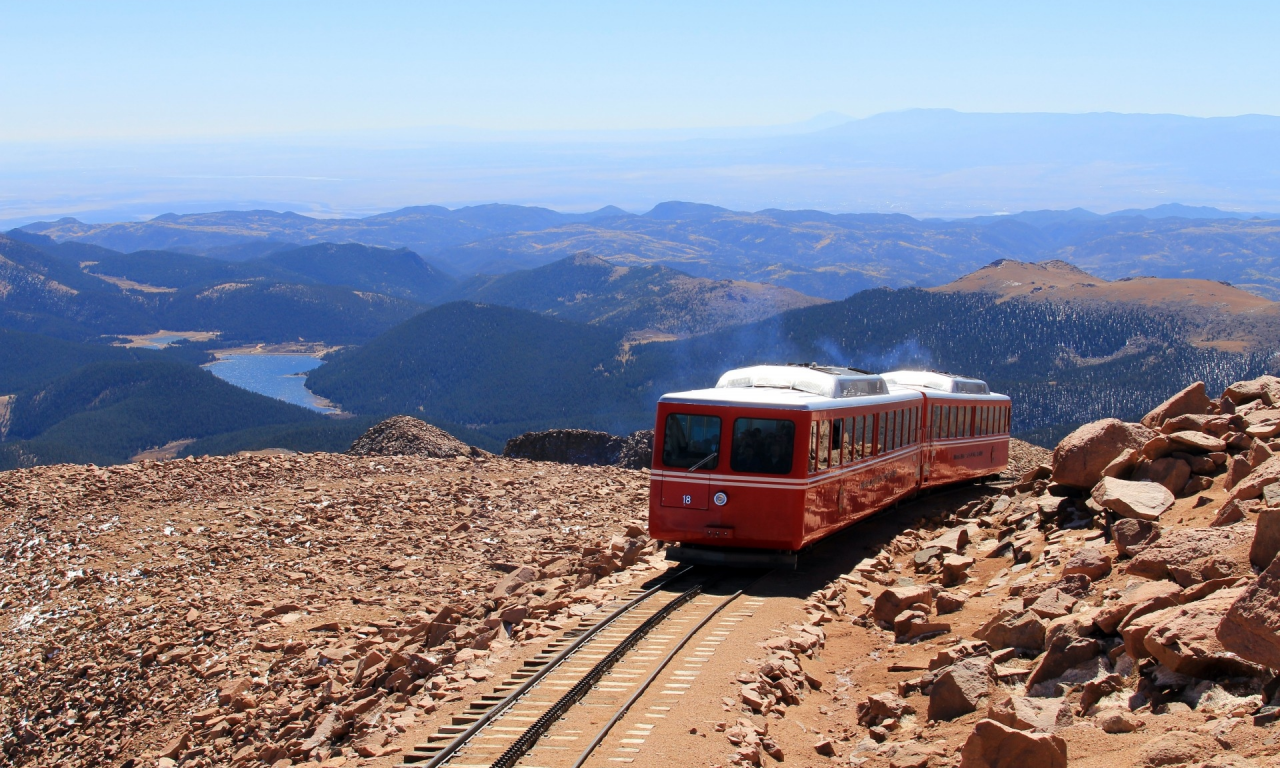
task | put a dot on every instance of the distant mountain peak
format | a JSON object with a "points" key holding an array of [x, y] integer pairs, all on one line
{"points": [[677, 210]]}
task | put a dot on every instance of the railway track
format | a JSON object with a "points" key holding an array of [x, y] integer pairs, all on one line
{"points": [[575, 703]]}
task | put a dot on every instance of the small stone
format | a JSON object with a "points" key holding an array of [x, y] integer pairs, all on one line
{"points": [[959, 689], [1118, 721], [1176, 747], [826, 748]]}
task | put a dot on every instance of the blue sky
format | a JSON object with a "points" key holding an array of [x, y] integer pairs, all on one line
{"points": [[123, 70]]}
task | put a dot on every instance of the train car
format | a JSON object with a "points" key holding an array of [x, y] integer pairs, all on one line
{"points": [[775, 458], [966, 426]]}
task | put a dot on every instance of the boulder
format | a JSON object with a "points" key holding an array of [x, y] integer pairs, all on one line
{"points": [[1258, 478], [1194, 422], [1030, 714], [1238, 468], [1144, 598], [1155, 448], [959, 689], [895, 600], [955, 569], [1170, 472], [1264, 388], [1198, 441], [1121, 465], [1009, 630], [1193, 555], [1176, 748], [949, 602], [1082, 455], [1089, 561], [1258, 453], [1127, 498], [1184, 638], [1067, 643], [995, 745], [1192, 400], [1053, 604], [1131, 535], [1266, 538], [882, 706], [953, 541], [514, 580], [1251, 626]]}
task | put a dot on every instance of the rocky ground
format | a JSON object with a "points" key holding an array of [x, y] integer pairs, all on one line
{"points": [[283, 609]]}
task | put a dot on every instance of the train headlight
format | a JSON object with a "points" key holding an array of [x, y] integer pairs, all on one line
{"points": [[721, 498]]}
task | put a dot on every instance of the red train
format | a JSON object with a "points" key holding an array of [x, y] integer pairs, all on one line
{"points": [[776, 457]]}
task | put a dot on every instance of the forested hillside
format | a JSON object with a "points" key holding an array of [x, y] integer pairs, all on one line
{"points": [[503, 371], [105, 412]]}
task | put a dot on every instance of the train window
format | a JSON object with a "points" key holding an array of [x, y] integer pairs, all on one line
{"points": [[824, 444], [914, 425], [902, 427], [860, 437], [881, 421], [691, 440], [813, 446], [837, 437], [935, 415], [762, 445], [966, 416], [846, 446]]}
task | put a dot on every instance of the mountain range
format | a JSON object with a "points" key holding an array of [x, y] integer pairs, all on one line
{"points": [[819, 254]]}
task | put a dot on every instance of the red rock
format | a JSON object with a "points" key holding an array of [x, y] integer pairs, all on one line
{"points": [[1025, 630], [1123, 464], [1145, 598], [1264, 388], [1266, 538], [1132, 534], [1192, 555], [994, 745], [1172, 473], [1144, 501], [1184, 638], [1089, 561], [1176, 748], [895, 600], [1251, 626], [1082, 455], [1053, 604], [1191, 400], [959, 688], [1031, 714], [1198, 441]]}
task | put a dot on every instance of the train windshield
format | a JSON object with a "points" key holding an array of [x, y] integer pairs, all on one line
{"points": [[690, 439], [763, 445]]}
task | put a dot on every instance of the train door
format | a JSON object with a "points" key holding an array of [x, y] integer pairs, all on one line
{"points": [[690, 442]]}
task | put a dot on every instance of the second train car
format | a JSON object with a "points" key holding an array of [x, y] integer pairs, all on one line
{"points": [[774, 458]]}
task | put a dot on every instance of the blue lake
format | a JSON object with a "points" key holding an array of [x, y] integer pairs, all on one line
{"points": [[273, 375]]}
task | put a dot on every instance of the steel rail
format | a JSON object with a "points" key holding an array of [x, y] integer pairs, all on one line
{"points": [[586, 753], [444, 755], [525, 741]]}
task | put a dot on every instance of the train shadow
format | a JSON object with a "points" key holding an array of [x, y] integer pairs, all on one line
{"points": [[823, 562]]}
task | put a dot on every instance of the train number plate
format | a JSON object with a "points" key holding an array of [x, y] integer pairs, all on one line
{"points": [[718, 532]]}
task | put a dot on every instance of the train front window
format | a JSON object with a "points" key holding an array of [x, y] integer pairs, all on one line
{"points": [[762, 445], [689, 440]]}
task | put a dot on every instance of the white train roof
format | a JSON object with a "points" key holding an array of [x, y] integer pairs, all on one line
{"points": [[794, 387], [938, 382]]}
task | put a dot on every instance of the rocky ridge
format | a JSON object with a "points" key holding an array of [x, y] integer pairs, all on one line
{"points": [[261, 610], [1062, 614]]}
